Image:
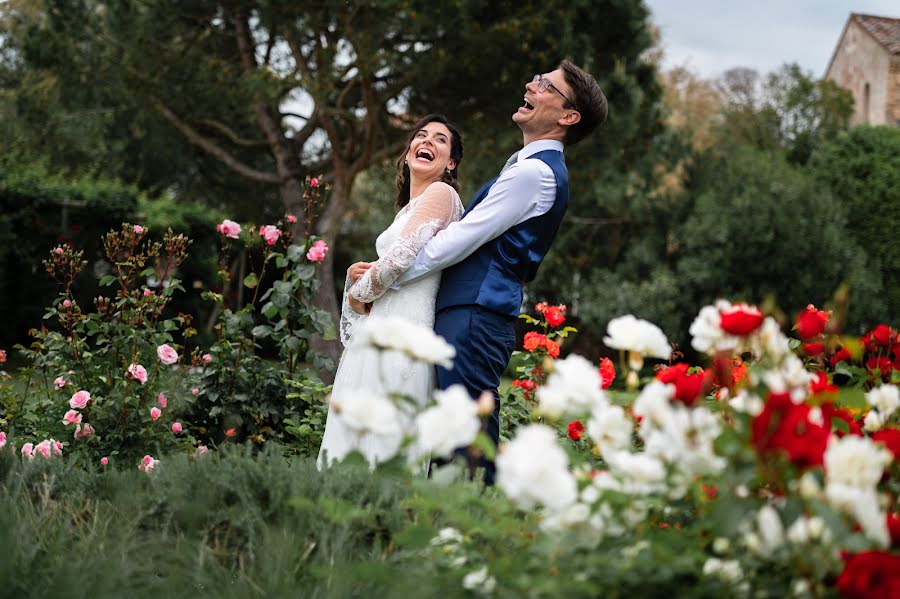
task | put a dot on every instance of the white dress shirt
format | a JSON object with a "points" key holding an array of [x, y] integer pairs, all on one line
{"points": [[524, 190]]}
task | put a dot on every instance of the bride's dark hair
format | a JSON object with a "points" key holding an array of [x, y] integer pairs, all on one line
{"points": [[456, 154]]}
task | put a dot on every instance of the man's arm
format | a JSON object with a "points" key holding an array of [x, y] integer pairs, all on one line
{"points": [[527, 189]]}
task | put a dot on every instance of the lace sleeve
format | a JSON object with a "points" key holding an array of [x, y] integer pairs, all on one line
{"points": [[349, 317], [432, 211]]}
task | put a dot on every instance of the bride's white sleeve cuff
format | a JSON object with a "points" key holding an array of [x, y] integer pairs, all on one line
{"points": [[350, 318]]}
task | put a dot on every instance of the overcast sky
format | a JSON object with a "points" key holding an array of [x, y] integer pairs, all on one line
{"points": [[712, 36]]}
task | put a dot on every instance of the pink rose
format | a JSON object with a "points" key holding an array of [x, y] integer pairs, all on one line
{"points": [[314, 182], [28, 450], [207, 358], [229, 229], [104, 461], [195, 391], [137, 372], [317, 252], [59, 382], [201, 450], [67, 304], [79, 400], [161, 400], [58, 250], [83, 432], [2, 439], [176, 428], [72, 417], [147, 292], [45, 448], [57, 447], [167, 355], [155, 413], [291, 218], [270, 233], [148, 463], [138, 229]]}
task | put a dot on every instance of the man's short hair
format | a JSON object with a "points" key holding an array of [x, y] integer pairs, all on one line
{"points": [[589, 102]]}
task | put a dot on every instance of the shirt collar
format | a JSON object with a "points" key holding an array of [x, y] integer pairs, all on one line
{"points": [[539, 146]]}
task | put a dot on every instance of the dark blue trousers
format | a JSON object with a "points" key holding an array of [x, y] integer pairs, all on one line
{"points": [[484, 341]]}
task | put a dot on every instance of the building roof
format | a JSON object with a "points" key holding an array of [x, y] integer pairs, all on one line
{"points": [[885, 30]]}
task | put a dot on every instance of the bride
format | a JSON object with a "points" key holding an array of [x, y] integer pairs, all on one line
{"points": [[427, 179]]}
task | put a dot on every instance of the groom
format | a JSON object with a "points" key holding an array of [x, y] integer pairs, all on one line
{"points": [[504, 234]]}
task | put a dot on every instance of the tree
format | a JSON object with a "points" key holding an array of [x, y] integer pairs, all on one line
{"points": [[276, 91], [862, 170], [790, 110]]}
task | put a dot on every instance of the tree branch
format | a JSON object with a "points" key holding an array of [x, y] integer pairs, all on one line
{"points": [[213, 149], [232, 135]]}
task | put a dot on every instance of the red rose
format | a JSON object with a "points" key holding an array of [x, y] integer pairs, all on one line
{"points": [[841, 355], [687, 386], [554, 316], [739, 372], [607, 373], [814, 349], [526, 384], [883, 335], [882, 364], [891, 439], [870, 574], [552, 348], [821, 385], [740, 319], [785, 427], [539, 308], [811, 322], [576, 429], [830, 412], [534, 340]]}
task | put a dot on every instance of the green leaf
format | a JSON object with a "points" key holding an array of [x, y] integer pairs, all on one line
{"points": [[304, 272], [270, 310], [262, 331], [295, 253], [107, 280], [251, 281]]}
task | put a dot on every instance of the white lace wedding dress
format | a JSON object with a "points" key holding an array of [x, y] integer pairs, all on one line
{"points": [[363, 370]]}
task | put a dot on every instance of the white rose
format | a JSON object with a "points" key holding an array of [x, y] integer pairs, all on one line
{"points": [[574, 386], [885, 399], [610, 428], [452, 423], [639, 336]]}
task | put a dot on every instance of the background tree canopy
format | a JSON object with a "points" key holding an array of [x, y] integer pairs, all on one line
{"points": [[747, 187]]}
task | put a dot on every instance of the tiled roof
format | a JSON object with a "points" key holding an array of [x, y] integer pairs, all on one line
{"points": [[885, 30]]}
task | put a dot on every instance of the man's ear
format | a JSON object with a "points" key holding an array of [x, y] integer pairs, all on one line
{"points": [[570, 118]]}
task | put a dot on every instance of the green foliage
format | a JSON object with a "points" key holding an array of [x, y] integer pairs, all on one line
{"points": [[762, 229], [862, 170], [39, 209], [97, 351]]}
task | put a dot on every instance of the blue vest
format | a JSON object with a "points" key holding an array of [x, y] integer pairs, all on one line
{"points": [[492, 277]]}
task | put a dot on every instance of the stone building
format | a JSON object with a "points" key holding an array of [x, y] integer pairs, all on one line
{"points": [[866, 62]]}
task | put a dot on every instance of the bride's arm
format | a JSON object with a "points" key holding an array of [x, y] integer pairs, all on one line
{"points": [[433, 211]]}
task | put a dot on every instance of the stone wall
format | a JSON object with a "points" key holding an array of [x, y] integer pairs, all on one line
{"points": [[860, 60]]}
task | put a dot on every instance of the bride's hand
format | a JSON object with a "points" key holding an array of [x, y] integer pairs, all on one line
{"points": [[357, 270], [358, 306]]}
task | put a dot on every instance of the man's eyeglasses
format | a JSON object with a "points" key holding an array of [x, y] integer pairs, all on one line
{"points": [[543, 84]]}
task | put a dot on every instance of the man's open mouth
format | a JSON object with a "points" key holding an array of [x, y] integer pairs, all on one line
{"points": [[527, 105]]}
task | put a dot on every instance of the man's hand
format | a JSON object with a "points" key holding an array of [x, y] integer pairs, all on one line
{"points": [[357, 270], [358, 306]]}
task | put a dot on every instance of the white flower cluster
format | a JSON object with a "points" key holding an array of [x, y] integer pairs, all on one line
{"points": [[639, 336], [452, 423], [853, 467], [790, 377], [418, 342], [374, 419], [884, 401], [574, 387], [677, 435], [533, 470], [708, 337]]}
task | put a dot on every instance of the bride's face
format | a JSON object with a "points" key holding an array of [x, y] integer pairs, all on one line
{"points": [[428, 156]]}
